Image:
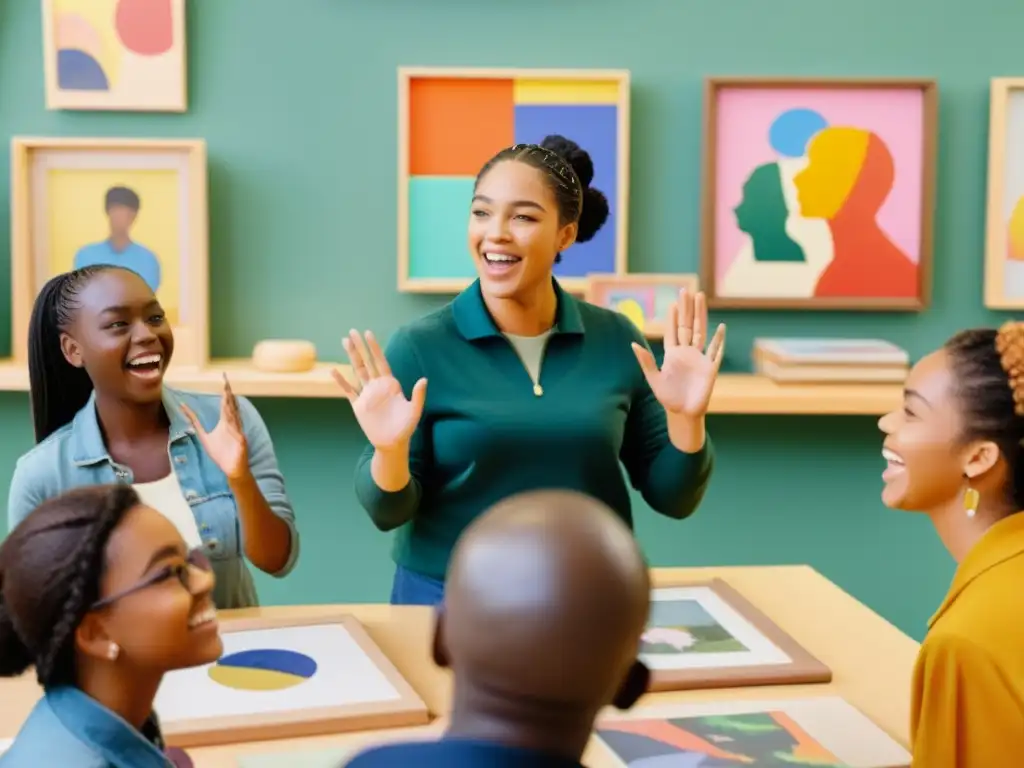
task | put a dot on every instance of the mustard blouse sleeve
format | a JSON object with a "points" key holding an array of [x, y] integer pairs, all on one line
{"points": [[965, 713]]}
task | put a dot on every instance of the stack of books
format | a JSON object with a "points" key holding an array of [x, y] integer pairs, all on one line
{"points": [[831, 361]]}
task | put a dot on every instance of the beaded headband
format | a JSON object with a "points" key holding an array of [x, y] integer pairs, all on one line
{"points": [[552, 160]]}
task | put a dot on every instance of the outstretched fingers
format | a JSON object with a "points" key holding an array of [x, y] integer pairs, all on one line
{"points": [[359, 356], [377, 355], [350, 392], [716, 349], [648, 364]]}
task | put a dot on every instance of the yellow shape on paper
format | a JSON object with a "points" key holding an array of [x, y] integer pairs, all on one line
{"points": [[631, 308], [565, 92], [250, 679], [1015, 234]]}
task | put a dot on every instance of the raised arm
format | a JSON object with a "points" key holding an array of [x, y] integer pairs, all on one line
{"points": [[388, 397]]}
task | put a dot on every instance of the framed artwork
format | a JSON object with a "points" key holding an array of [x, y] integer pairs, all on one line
{"points": [[282, 678], [822, 731], [707, 635], [137, 203], [643, 298], [452, 121], [1004, 236], [818, 194], [123, 55]]}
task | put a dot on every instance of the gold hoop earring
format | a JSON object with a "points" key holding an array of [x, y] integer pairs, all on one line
{"points": [[971, 499]]}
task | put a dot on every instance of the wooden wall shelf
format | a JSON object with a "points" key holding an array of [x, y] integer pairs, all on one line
{"points": [[734, 393]]}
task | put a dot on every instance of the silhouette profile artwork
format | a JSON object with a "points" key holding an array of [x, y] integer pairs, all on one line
{"points": [[791, 131], [849, 174], [122, 206], [762, 214]]}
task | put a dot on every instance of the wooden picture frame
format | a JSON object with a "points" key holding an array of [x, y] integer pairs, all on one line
{"points": [[1004, 226], [451, 120], [825, 730], [188, 721], [777, 178], [643, 298], [70, 180], [115, 55], [707, 635]]}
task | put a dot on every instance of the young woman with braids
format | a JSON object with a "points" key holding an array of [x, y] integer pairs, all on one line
{"points": [[99, 345], [103, 597], [954, 451], [529, 387]]}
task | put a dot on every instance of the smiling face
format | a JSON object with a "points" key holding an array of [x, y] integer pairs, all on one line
{"points": [[120, 336], [926, 459], [165, 625], [515, 229]]}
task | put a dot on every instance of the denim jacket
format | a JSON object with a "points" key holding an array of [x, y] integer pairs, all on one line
{"points": [[75, 455], [68, 728]]}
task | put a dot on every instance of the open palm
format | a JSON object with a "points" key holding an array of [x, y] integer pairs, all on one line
{"points": [[688, 372], [225, 443], [385, 415]]}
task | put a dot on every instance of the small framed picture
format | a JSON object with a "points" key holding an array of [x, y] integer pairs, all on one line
{"points": [[136, 203], [822, 731], [643, 298], [818, 194], [115, 55], [282, 678], [707, 635], [1004, 235]]}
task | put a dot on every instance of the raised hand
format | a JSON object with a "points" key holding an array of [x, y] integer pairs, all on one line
{"points": [[226, 444], [386, 417], [688, 372]]}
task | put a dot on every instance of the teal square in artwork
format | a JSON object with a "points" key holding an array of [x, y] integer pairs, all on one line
{"points": [[438, 217]]}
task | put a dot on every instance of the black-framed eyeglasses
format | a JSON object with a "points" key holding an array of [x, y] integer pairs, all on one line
{"points": [[196, 558]]}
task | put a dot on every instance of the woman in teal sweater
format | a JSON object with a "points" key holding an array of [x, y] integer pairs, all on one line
{"points": [[529, 388]]}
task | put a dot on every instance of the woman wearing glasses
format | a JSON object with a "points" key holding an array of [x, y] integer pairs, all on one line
{"points": [[101, 594], [99, 345], [529, 387]]}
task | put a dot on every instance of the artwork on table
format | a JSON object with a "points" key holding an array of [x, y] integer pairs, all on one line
{"points": [[643, 298], [818, 194], [1004, 237], [287, 678], [824, 731], [123, 55], [451, 121], [707, 635], [140, 204]]}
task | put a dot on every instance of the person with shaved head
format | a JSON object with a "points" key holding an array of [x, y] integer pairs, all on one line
{"points": [[547, 597]]}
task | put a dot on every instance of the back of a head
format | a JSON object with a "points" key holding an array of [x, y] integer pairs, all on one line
{"points": [[546, 598]]}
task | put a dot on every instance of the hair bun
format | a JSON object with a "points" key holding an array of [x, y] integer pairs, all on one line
{"points": [[593, 214], [573, 154], [1010, 345]]}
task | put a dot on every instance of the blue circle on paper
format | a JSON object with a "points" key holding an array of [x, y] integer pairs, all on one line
{"points": [[791, 131]]}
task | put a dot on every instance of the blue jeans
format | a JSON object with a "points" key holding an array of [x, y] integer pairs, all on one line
{"points": [[411, 588]]}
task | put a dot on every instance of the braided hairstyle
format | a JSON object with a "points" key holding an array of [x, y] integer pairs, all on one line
{"points": [[58, 390], [988, 366], [568, 170], [50, 568]]}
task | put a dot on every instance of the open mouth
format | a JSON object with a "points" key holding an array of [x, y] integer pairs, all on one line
{"points": [[204, 618], [894, 464], [148, 366], [499, 263]]}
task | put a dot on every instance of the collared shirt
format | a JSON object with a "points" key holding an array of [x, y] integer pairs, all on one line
{"points": [[69, 729], [138, 258], [456, 753], [967, 707], [75, 455], [489, 430]]}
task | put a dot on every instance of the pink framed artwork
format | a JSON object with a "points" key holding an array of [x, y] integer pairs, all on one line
{"points": [[818, 194], [643, 298]]}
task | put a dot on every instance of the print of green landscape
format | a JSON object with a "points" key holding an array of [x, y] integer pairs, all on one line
{"points": [[685, 626]]}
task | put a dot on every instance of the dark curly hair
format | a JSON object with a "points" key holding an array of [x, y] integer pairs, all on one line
{"points": [[569, 171], [50, 568], [57, 389], [988, 369]]}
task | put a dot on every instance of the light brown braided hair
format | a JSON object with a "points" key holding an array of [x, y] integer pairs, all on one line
{"points": [[1010, 345]]}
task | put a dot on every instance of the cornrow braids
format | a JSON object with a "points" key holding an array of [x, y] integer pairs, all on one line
{"points": [[568, 171], [50, 569], [58, 390], [988, 368]]}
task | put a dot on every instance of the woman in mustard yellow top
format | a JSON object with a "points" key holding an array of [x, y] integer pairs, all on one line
{"points": [[954, 452]]}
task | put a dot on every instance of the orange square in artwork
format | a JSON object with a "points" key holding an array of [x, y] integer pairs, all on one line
{"points": [[457, 124]]}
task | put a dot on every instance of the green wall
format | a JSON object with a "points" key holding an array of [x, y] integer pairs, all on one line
{"points": [[297, 103]]}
